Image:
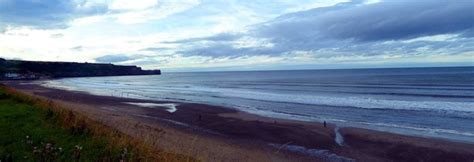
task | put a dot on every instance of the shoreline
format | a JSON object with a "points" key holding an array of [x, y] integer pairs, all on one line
{"points": [[242, 132], [460, 137]]}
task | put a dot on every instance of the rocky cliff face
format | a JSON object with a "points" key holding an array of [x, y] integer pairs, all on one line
{"points": [[35, 70]]}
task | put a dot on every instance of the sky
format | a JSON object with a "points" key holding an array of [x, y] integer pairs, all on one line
{"points": [[213, 35]]}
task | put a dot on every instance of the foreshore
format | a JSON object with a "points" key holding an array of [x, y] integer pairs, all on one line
{"points": [[213, 133]]}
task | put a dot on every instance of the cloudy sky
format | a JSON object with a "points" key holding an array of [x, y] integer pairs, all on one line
{"points": [[201, 35]]}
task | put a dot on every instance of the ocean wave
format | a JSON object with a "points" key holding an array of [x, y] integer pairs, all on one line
{"points": [[340, 101], [170, 107], [368, 86], [325, 155], [431, 131], [360, 102], [343, 101]]}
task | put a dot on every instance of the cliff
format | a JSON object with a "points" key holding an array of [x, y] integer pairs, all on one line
{"points": [[14, 69]]}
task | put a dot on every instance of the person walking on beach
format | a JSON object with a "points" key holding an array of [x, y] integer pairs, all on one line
{"points": [[324, 123]]}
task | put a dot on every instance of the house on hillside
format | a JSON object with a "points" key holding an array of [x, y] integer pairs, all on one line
{"points": [[12, 76], [17, 76]]}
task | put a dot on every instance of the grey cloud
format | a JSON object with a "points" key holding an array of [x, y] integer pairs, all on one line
{"points": [[156, 49], [57, 35], [114, 58], [77, 48], [227, 50], [353, 28], [151, 61], [132, 58], [222, 37], [388, 20], [215, 50], [48, 14], [19, 34]]}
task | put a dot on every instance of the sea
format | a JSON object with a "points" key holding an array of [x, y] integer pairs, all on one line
{"points": [[429, 102]]}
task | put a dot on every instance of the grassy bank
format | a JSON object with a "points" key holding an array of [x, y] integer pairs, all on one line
{"points": [[33, 129]]}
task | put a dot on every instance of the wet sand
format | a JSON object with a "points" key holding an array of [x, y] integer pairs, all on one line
{"points": [[214, 133]]}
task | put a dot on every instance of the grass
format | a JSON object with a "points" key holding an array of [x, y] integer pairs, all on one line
{"points": [[24, 128], [33, 129]]}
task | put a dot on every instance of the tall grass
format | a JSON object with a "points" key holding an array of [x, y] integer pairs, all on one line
{"points": [[122, 146]]}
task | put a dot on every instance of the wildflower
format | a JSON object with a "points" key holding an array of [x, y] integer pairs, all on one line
{"points": [[77, 152], [28, 140], [124, 150], [35, 150], [124, 154], [78, 147], [48, 146]]}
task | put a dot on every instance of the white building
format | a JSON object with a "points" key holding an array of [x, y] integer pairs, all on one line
{"points": [[12, 75]]}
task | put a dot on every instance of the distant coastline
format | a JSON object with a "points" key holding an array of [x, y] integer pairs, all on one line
{"points": [[32, 70]]}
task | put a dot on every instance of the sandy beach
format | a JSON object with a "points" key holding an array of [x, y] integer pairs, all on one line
{"points": [[213, 133]]}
